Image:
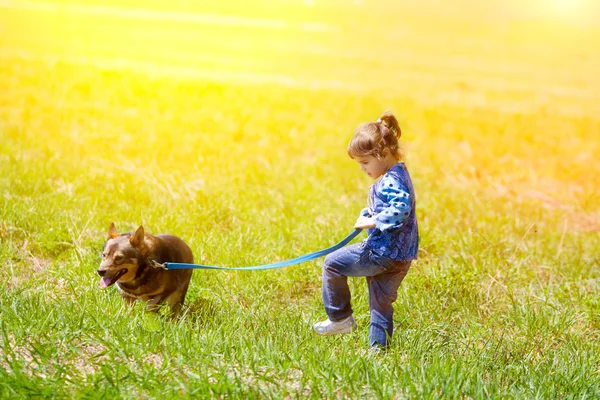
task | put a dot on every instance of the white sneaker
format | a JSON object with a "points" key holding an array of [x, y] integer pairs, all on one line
{"points": [[328, 327]]}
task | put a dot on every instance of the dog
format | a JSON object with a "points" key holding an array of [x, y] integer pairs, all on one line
{"points": [[127, 261]]}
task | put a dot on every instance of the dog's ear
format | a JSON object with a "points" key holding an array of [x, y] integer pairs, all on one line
{"points": [[137, 239], [112, 231]]}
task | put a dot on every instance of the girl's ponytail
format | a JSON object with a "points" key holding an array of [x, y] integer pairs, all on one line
{"points": [[388, 120], [390, 133]]}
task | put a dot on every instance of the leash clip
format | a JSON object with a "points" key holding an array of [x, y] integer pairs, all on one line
{"points": [[156, 264]]}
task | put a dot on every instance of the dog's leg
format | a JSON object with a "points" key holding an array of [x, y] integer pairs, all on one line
{"points": [[175, 309], [153, 304], [130, 301], [175, 301]]}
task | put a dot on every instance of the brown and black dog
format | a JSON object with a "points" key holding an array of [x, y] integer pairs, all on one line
{"points": [[127, 261]]}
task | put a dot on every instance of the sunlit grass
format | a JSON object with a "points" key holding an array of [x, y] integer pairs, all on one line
{"points": [[234, 139]]}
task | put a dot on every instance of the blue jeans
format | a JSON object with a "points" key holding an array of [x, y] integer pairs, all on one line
{"points": [[383, 277]]}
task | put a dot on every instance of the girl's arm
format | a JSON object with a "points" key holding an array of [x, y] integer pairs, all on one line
{"points": [[398, 200]]}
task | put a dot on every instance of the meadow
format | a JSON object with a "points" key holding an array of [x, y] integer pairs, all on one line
{"points": [[226, 124]]}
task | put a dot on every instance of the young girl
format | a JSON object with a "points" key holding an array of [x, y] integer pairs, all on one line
{"points": [[392, 242]]}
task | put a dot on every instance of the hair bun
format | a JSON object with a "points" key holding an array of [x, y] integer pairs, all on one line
{"points": [[388, 120]]}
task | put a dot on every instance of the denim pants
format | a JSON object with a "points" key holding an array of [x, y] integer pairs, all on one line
{"points": [[383, 278]]}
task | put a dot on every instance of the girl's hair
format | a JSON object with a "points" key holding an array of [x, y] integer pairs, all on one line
{"points": [[374, 138]]}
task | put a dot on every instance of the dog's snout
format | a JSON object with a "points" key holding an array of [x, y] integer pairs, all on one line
{"points": [[101, 272]]}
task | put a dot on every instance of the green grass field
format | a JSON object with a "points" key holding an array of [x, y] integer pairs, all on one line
{"points": [[226, 124]]}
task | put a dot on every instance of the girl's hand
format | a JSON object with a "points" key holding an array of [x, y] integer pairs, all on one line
{"points": [[364, 223], [366, 212]]}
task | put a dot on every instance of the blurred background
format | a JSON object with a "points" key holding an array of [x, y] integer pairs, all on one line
{"points": [[186, 100], [515, 55], [183, 101]]}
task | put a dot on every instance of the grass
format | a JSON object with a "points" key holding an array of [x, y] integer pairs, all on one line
{"points": [[232, 136]]}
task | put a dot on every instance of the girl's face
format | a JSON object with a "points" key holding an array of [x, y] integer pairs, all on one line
{"points": [[372, 166]]}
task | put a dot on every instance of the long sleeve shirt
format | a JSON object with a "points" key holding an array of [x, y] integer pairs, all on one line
{"points": [[392, 201]]}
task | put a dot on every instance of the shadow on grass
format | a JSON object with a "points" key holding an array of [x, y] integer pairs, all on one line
{"points": [[201, 310]]}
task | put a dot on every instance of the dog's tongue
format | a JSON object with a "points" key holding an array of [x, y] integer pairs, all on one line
{"points": [[104, 282]]}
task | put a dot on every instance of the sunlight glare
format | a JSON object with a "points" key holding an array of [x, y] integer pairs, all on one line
{"points": [[571, 8], [565, 4]]}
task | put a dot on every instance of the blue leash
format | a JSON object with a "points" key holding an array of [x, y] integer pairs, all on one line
{"points": [[307, 257]]}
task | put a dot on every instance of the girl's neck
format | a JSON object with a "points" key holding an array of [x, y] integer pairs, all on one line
{"points": [[389, 161]]}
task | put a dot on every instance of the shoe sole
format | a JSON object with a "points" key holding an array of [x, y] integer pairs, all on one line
{"points": [[333, 333]]}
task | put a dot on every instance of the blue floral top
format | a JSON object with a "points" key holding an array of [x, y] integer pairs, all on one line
{"points": [[392, 201]]}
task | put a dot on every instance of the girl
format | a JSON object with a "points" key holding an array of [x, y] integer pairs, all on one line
{"points": [[392, 242]]}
